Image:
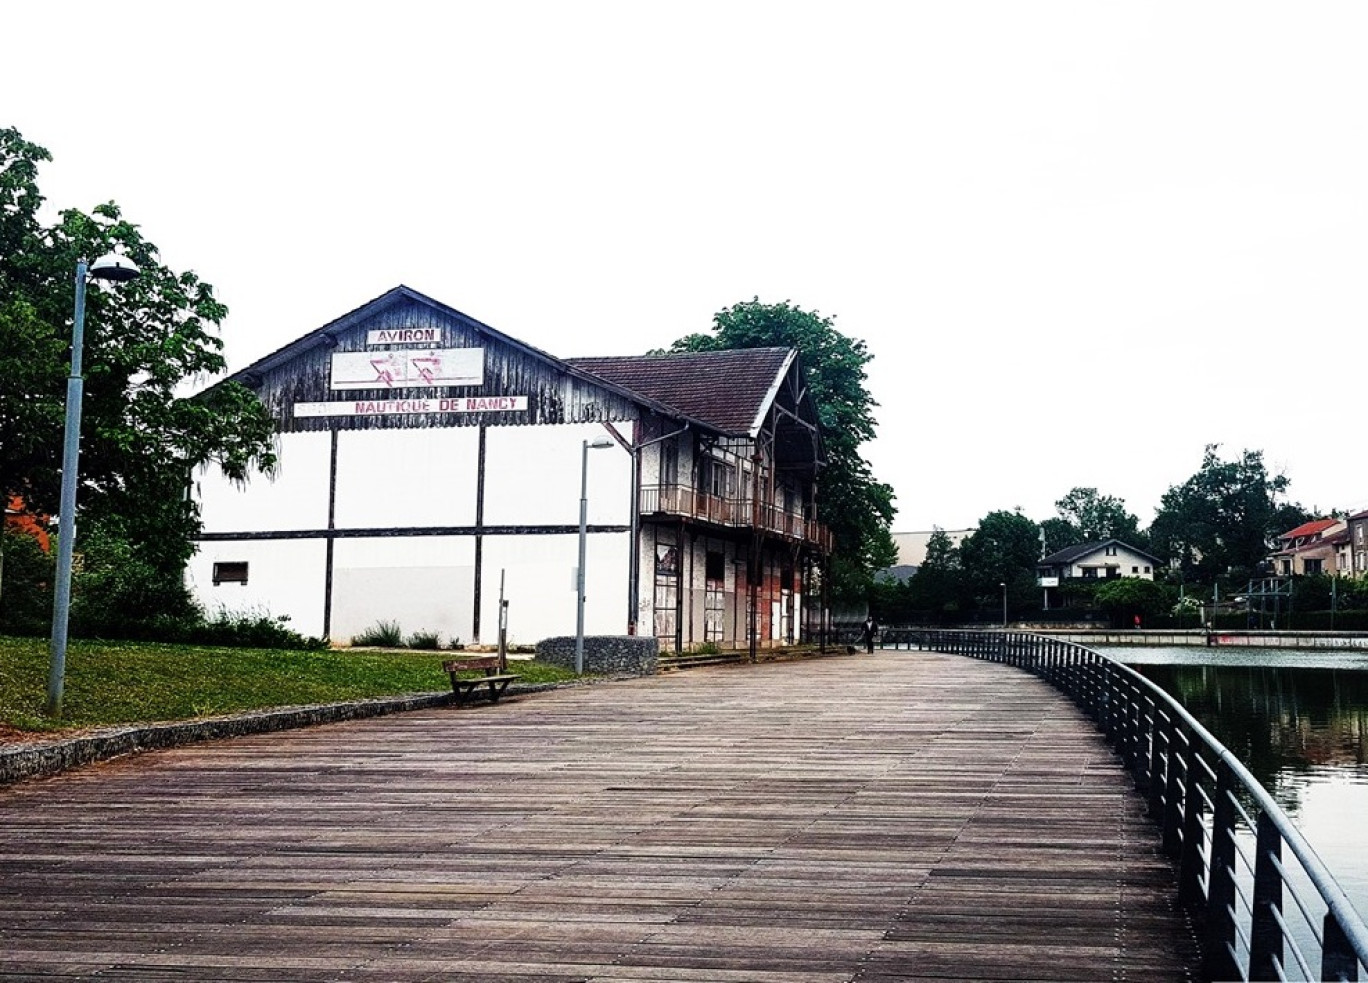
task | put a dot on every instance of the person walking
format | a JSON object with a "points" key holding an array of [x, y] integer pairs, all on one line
{"points": [[868, 632]]}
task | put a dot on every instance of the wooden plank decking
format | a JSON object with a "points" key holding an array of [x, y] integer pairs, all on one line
{"points": [[801, 822]]}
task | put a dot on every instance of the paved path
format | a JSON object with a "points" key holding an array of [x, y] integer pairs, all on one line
{"points": [[896, 817]]}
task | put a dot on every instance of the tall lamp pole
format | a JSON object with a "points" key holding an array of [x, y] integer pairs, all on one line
{"points": [[1003, 585], [116, 269], [598, 443]]}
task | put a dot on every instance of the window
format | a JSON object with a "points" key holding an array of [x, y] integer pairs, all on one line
{"points": [[1358, 535], [1136, 570], [1090, 573], [1147, 570], [1311, 566], [230, 573], [1111, 550], [716, 567]]}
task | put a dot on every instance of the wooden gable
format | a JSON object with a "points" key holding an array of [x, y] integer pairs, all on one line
{"points": [[405, 361]]}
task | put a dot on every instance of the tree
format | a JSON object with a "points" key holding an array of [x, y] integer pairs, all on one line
{"points": [[857, 508], [143, 340], [1126, 598], [1222, 520], [937, 588], [1097, 517], [1002, 550]]}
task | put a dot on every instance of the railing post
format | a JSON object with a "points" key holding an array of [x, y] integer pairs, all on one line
{"points": [[1338, 961], [1158, 751], [1219, 958], [1175, 779], [1190, 855], [1265, 935]]}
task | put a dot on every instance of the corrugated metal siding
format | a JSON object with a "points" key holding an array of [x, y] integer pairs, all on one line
{"points": [[554, 396]]}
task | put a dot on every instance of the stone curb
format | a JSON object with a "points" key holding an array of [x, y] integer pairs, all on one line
{"points": [[50, 756]]}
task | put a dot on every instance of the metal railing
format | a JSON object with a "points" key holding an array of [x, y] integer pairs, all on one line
{"points": [[1239, 858], [737, 513]]}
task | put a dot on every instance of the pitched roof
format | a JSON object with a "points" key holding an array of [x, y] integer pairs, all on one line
{"points": [[1309, 528], [730, 390], [1071, 553]]}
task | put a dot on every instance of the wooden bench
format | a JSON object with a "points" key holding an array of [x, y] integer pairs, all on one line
{"points": [[496, 681]]}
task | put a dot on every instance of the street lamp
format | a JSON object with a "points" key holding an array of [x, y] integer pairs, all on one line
{"points": [[1003, 585], [116, 269], [598, 443]]}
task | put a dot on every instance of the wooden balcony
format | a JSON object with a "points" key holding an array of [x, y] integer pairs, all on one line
{"points": [[681, 501]]}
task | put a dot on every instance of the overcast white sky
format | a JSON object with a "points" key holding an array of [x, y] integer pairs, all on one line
{"points": [[1082, 240]]}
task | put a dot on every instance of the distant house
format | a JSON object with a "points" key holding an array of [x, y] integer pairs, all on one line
{"points": [[1311, 548], [1357, 530], [19, 519], [1108, 559]]}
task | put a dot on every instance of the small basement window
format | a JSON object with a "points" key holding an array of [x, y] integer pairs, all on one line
{"points": [[230, 573]]}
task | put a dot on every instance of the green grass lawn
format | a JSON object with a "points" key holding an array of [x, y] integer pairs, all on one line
{"points": [[131, 682]]}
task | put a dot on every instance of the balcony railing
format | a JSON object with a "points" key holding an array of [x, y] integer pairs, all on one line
{"points": [[734, 513]]}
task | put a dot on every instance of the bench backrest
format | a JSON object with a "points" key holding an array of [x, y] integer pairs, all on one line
{"points": [[472, 662]]}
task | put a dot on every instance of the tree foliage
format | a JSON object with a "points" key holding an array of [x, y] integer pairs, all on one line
{"points": [[143, 340], [1002, 550], [850, 501], [1223, 519], [1096, 517]]}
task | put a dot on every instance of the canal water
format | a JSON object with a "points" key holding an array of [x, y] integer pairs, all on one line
{"points": [[1298, 720]]}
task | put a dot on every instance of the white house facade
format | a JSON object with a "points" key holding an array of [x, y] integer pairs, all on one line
{"points": [[1104, 560], [429, 464]]}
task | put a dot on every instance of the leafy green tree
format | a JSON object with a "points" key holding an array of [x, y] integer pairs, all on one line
{"points": [[1126, 598], [857, 508], [1097, 517], [1059, 534], [143, 340], [1003, 549], [937, 589], [1223, 520]]}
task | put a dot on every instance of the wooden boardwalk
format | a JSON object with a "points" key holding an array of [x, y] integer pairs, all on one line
{"points": [[801, 822]]}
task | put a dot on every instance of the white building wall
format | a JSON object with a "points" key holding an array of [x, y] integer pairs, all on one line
{"points": [[283, 577], [419, 477], [532, 476], [295, 497], [539, 584], [424, 583], [1124, 560]]}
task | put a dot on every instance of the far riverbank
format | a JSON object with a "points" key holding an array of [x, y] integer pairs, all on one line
{"points": [[1213, 639]]}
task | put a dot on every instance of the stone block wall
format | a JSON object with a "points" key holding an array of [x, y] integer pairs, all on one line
{"points": [[610, 655]]}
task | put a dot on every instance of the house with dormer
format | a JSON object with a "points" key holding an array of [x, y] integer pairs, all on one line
{"points": [[430, 465], [1311, 548], [1106, 559]]}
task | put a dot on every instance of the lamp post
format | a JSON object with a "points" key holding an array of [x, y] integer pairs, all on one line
{"points": [[1003, 585], [115, 269], [598, 443]]}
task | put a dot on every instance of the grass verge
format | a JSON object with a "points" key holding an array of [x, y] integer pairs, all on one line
{"points": [[136, 682]]}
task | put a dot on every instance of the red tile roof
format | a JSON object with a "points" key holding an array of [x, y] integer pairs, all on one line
{"points": [[724, 389], [1309, 528]]}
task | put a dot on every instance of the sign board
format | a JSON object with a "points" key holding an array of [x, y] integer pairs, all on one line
{"points": [[1049, 581], [404, 336], [420, 404], [413, 368]]}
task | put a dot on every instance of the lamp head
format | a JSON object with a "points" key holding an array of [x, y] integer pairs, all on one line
{"points": [[118, 269], [598, 443]]}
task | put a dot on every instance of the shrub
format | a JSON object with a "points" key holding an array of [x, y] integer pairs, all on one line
{"points": [[383, 634], [424, 640], [25, 586], [253, 629]]}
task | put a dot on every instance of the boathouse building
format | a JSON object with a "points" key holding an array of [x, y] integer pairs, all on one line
{"points": [[428, 462]]}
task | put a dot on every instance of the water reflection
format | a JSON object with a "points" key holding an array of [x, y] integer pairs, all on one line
{"points": [[1299, 722]]}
